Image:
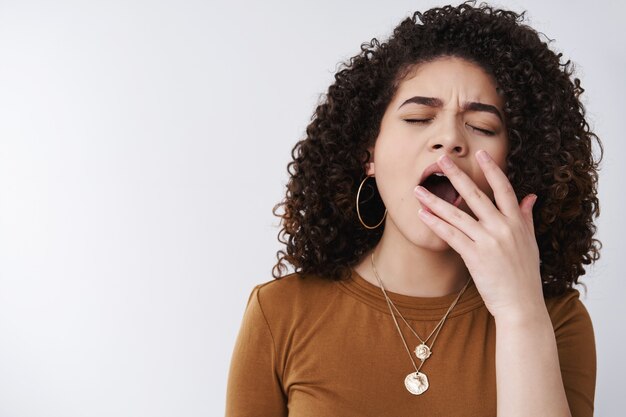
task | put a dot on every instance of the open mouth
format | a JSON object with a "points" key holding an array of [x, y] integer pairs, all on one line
{"points": [[441, 186]]}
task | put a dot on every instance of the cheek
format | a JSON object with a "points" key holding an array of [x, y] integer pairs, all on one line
{"points": [[396, 179], [485, 187], [391, 186], [396, 161], [499, 152]]}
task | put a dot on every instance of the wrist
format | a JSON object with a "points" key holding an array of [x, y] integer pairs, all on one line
{"points": [[527, 316]]}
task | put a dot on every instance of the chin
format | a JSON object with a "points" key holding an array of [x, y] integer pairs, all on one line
{"points": [[434, 242], [438, 245], [426, 238]]}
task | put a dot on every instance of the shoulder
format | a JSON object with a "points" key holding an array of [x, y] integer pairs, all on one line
{"points": [[568, 312], [295, 288], [576, 347], [293, 295]]}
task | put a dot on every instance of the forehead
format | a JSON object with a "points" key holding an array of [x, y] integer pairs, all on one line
{"points": [[450, 77]]}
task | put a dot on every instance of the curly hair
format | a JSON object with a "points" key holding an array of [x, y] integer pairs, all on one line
{"points": [[550, 147]]}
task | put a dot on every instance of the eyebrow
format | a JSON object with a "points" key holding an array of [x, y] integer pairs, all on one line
{"points": [[468, 105]]}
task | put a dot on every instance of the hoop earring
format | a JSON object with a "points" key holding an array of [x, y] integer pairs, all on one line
{"points": [[358, 212]]}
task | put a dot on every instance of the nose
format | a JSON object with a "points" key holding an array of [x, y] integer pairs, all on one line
{"points": [[449, 136]]}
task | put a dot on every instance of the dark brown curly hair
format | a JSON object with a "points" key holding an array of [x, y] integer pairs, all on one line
{"points": [[550, 142]]}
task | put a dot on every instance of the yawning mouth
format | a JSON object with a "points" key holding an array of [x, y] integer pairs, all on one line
{"points": [[440, 185]]}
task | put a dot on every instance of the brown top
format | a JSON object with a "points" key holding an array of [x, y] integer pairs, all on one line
{"points": [[311, 347]]}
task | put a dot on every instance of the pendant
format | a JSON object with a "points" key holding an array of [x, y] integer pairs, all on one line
{"points": [[416, 383], [422, 352]]}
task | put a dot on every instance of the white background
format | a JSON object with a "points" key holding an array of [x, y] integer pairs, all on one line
{"points": [[143, 145]]}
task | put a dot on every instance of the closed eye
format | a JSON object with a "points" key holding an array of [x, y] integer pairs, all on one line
{"points": [[415, 121]]}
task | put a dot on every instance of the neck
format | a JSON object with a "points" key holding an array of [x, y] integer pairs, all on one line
{"points": [[408, 269]]}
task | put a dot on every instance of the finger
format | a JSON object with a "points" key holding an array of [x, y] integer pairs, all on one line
{"points": [[528, 204], [453, 236], [503, 191], [449, 213], [475, 198]]}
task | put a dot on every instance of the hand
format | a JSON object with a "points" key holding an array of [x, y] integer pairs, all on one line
{"points": [[500, 249]]}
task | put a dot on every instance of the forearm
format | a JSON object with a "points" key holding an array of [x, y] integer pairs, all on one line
{"points": [[528, 376]]}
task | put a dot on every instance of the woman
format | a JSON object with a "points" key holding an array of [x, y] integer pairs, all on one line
{"points": [[470, 108]]}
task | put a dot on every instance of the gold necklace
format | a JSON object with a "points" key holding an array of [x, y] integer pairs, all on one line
{"points": [[416, 382]]}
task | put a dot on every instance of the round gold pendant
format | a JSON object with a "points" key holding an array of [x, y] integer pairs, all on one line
{"points": [[416, 383], [422, 352]]}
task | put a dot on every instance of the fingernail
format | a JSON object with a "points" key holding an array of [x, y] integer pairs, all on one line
{"points": [[446, 162], [483, 156], [421, 191]]}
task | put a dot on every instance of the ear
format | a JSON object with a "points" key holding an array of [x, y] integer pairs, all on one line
{"points": [[370, 165]]}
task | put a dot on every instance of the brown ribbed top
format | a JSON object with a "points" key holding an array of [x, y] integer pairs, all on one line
{"points": [[418, 308], [312, 347]]}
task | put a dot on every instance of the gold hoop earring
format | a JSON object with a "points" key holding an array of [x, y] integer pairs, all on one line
{"points": [[358, 212]]}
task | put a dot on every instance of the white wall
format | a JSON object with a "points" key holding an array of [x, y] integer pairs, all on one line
{"points": [[142, 147]]}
